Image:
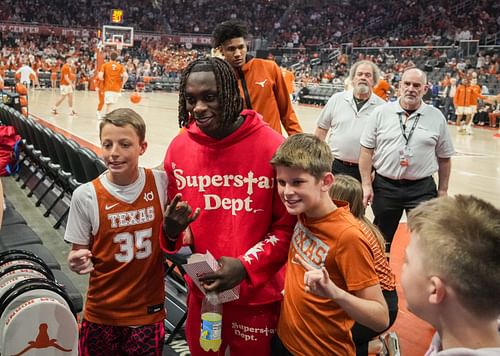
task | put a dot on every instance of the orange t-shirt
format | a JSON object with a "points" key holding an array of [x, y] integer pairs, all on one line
{"points": [[66, 71], [382, 89], [312, 325], [113, 72], [126, 287]]}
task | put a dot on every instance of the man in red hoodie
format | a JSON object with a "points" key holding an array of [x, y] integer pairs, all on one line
{"points": [[261, 83], [220, 167]]}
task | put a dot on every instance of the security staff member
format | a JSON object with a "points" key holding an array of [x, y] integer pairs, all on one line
{"points": [[345, 116], [406, 141]]}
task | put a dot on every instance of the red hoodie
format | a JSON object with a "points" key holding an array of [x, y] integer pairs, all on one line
{"points": [[242, 216]]}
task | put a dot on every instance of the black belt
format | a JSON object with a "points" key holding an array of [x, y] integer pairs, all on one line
{"points": [[346, 163], [404, 181]]}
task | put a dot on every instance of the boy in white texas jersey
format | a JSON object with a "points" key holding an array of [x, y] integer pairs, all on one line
{"points": [[113, 225]]}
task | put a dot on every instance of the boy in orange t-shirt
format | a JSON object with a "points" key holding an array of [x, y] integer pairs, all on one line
{"points": [[330, 279]]}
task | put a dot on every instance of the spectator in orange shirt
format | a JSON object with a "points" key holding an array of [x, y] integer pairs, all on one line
{"points": [[114, 76], [67, 86]]}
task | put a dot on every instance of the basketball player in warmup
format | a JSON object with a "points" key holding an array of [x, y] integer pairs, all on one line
{"points": [[262, 85], [113, 224], [114, 76], [67, 86]]}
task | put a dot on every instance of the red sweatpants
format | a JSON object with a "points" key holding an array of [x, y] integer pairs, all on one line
{"points": [[246, 330]]}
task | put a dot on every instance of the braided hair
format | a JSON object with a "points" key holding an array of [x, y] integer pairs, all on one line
{"points": [[227, 88]]}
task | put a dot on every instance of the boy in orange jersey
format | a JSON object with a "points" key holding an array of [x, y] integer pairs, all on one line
{"points": [[451, 274], [113, 225], [330, 279], [114, 76], [67, 86]]}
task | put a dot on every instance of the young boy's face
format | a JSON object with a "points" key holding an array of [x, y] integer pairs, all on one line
{"points": [[414, 279], [300, 192], [121, 149]]}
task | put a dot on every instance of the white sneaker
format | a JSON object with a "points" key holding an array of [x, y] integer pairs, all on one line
{"points": [[468, 130], [73, 113]]}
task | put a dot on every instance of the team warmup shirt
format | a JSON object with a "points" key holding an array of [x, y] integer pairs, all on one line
{"points": [[267, 92]]}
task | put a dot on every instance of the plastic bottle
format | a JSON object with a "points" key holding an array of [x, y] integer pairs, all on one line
{"points": [[211, 323]]}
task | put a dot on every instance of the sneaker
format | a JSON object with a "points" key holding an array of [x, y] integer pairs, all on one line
{"points": [[54, 112], [73, 113], [468, 130]]}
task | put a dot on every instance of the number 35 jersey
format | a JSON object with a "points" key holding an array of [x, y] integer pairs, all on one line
{"points": [[126, 287]]}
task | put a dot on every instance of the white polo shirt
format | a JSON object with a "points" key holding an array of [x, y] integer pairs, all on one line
{"points": [[430, 140], [341, 117]]}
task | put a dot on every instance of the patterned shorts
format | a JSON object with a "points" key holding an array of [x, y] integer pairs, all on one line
{"points": [[107, 340]]}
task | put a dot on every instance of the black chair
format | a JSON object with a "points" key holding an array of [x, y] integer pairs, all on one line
{"points": [[48, 166], [79, 176], [65, 173], [176, 292], [37, 158], [91, 164], [55, 165]]}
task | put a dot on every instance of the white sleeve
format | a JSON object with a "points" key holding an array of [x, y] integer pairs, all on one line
{"points": [[83, 219], [161, 185]]}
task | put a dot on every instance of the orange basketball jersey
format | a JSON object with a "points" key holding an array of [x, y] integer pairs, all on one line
{"points": [[66, 71], [126, 287], [112, 76]]}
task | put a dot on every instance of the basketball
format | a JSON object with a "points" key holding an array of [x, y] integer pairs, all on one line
{"points": [[21, 89], [135, 98]]}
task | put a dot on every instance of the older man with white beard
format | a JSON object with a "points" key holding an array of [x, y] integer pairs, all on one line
{"points": [[345, 116]]}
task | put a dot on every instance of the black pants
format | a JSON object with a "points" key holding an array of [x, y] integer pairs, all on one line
{"points": [[361, 335], [345, 168], [392, 197]]}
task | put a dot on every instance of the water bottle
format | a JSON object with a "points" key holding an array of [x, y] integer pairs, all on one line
{"points": [[211, 323]]}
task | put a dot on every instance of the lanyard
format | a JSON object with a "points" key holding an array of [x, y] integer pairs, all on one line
{"points": [[403, 127]]}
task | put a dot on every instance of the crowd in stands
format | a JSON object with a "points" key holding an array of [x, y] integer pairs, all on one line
{"points": [[284, 23]]}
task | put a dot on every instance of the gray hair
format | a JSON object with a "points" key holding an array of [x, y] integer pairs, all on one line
{"points": [[375, 70]]}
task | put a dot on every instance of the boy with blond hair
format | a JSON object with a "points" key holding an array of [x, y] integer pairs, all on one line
{"points": [[451, 274], [113, 224], [330, 280]]}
